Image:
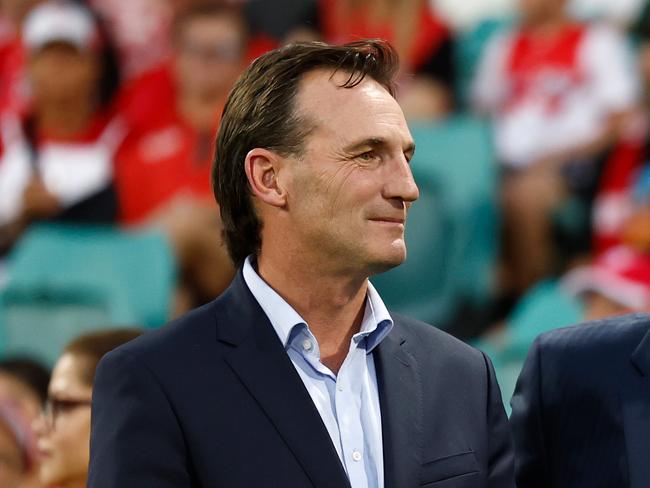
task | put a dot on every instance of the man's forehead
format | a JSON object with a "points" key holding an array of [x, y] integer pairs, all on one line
{"points": [[366, 110], [323, 88]]}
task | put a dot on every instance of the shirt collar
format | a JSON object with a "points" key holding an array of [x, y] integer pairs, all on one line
{"points": [[283, 317], [375, 325], [377, 322]]}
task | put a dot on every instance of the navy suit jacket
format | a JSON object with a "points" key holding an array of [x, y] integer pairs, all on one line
{"points": [[213, 400], [581, 409]]}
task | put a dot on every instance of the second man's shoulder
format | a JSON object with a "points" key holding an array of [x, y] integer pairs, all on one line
{"points": [[610, 334]]}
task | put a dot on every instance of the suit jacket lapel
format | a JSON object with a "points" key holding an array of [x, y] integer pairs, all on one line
{"points": [[400, 399], [263, 366], [636, 414]]}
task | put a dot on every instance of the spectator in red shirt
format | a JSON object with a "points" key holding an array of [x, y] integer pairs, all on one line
{"points": [[56, 159], [164, 167], [562, 95]]}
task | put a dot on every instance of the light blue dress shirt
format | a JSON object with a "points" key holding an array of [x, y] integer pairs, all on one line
{"points": [[347, 403]]}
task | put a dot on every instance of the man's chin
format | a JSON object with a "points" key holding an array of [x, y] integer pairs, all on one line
{"points": [[387, 262]]}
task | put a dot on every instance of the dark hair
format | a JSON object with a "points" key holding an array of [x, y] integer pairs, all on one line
{"points": [[93, 345], [29, 372], [260, 112], [111, 74]]}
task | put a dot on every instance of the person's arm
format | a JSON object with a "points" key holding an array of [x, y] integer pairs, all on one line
{"points": [[527, 424], [136, 440], [37, 203], [9, 234], [500, 455]]}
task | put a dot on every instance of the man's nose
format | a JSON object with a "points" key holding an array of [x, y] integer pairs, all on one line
{"points": [[400, 183]]}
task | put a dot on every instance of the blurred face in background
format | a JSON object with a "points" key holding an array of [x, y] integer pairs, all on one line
{"points": [[533, 12], [60, 72], [210, 54], [64, 429]]}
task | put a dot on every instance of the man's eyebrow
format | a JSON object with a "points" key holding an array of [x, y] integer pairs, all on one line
{"points": [[376, 142], [373, 142]]}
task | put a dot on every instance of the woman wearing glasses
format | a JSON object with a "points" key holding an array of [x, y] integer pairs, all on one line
{"points": [[63, 430]]}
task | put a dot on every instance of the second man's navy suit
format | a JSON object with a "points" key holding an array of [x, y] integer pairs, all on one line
{"points": [[581, 410]]}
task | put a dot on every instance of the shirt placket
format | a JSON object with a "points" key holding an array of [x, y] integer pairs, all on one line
{"points": [[348, 412]]}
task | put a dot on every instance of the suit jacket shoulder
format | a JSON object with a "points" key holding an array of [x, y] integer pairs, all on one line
{"points": [[423, 337], [568, 410], [170, 346], [611, 336]]}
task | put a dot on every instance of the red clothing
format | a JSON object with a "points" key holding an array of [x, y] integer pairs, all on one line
{"points": [[13, 93], [164, 156], [259, 45], [614, 203], [77, 169], [533, 60], [553, 93], [142, 31], [427, 36]]}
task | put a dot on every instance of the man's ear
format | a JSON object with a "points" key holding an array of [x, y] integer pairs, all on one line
{"points": [[262, 170]]}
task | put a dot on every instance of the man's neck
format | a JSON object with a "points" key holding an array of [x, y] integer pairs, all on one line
{"points": [[333, 304], [549, 27]]}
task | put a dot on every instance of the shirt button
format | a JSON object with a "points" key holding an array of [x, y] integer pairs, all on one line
{"points": [[307, 345], [339, 387], [356, 456]]}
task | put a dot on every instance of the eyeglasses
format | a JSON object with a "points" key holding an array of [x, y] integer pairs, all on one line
{"points": [[54, 407], [228, 52]]}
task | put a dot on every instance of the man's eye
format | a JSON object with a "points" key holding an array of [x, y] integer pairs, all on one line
{"points": [[367, 156]]}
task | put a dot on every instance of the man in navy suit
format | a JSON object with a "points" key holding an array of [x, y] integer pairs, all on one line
{"points": [[298, 376], [581, 410]]}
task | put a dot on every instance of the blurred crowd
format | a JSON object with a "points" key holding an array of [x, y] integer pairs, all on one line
{"points": [[45, 419], [108, 115]]}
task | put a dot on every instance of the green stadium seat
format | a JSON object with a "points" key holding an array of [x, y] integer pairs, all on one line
{"points": [[64, 280], [547, 306]]}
